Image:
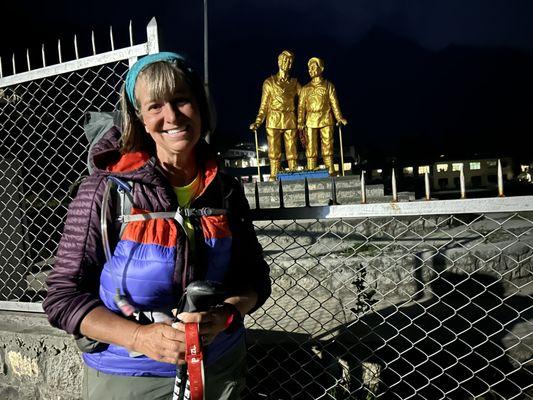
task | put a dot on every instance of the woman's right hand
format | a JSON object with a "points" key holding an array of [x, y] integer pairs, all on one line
{"points": [[160, 342]]}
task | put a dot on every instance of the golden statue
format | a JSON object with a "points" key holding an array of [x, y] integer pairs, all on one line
{"points": [[317, 108], [278, 107]]}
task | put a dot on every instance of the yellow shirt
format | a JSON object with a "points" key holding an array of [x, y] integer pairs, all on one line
{"points": [[186, 194]]}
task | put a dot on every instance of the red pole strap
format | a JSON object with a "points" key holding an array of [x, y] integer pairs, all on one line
{"points": [[194, 358]]}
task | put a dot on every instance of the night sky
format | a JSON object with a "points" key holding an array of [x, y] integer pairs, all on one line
{"points": [[414, 78]]}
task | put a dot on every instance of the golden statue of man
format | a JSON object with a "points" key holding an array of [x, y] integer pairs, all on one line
{"points": [[317, 108], [278, 108]]}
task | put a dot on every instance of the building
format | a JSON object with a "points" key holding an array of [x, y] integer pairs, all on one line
{"points": [[244, 155], [478, 173]]}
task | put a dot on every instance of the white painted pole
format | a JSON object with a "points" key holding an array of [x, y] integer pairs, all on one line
{"points": [[426, 186], [462, 182], [500, 179], [394, 190]]}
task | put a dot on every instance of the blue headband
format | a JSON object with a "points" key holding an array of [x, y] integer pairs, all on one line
{"points": [[141, 64]]}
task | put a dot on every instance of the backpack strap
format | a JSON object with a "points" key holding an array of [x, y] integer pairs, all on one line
{"points": [[123, 195], [179, 214], [124, 202]]}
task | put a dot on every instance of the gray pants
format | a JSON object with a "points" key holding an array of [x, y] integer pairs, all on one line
{"points": [[97, 385], [224, 380]]}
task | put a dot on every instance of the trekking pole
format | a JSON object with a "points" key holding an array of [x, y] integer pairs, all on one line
{"points": [[257, 155], [342, 151], [198, 296]]}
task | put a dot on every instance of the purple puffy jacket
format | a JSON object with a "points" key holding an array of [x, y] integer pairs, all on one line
{"points": [[74, 282]]}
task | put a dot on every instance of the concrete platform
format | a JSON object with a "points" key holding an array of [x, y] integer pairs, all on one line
{"points": [[348, 189]]}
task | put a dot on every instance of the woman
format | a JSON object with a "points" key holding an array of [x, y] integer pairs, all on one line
{"points": [[162, 156]]}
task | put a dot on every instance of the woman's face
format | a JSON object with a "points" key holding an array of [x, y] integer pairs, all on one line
{"points": [[174, 124]]}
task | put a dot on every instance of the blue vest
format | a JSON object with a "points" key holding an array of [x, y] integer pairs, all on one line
{"points": [[142, 268]]}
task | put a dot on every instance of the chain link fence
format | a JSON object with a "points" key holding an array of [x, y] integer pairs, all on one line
{"points": [[432, 307], [43, 155], [43, 152]]}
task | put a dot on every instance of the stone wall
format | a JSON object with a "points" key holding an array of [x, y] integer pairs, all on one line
{"points": [[37, 362]]}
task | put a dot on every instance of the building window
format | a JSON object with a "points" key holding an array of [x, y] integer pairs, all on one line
{"points": [[492, 163], [443, 183], [475, 165], [457, 166], [423, 169], [492, 178], [457, 182], [442, 167], [408, 171]]}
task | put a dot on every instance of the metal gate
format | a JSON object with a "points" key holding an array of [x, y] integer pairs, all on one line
{"points": [[43, 153]]}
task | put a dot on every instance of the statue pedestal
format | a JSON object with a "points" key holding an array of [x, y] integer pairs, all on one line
{"points": [[348, 192], [301, 175]]}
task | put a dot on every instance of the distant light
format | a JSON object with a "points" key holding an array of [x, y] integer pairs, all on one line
{"points": [[442, 156], [263, 147], [457, 166], [442, 167], [475, 165]]}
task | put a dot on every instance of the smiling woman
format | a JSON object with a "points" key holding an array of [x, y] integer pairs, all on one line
{"points": [[126, 302], [173, 121]]}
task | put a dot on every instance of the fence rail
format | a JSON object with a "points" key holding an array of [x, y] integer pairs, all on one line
{"points": [[399, 209], [390, 300]]}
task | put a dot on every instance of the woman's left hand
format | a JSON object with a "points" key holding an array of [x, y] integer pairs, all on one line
{"points": [[211, 322]]}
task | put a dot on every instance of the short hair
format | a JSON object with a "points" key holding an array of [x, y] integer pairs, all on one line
{"points": [[164, 78], [316, 60], [286, 53]]}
